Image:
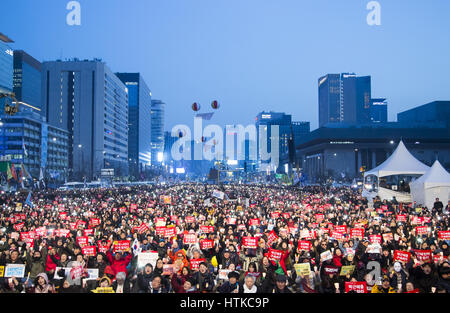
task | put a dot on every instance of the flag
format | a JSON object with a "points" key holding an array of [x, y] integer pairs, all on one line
{"points": [[218, 194], [9, 172], [28, 201], [24, 149], [13, 172], [25, 172]]}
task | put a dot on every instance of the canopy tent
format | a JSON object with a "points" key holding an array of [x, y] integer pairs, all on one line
{"points": [[435, 183], [401, 162]]}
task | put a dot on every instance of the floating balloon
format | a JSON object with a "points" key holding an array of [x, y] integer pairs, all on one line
{"points": [[215, 105], [195, 106]]}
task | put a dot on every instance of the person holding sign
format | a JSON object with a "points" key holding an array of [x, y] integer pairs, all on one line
{"points": [[118, 263]]}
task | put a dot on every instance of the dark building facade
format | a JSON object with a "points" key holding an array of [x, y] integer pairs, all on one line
{"points": [[378, 110], [430, 113], [27, 81], [340, 153], [139, 122], [344, 98]]}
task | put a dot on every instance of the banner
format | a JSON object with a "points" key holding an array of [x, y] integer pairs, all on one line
{"points": [[103, 290], [444, 235], [357, 233], [62, 232], [88, 250], [160, 221], [195, 263], [375, 239], [82, 241], [88, 232], [275, 255], [336, 235], [254, 222], [207, 229], [122, 246], [402, 256], [326, 255], [272, 237], [304, 245], [250, 242], [341, 229], [357, 286], [206, 244], [190, 239], [421, 230], [190, 219], [423, 255]]}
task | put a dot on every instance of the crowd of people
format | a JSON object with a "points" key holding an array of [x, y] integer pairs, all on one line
{"points": [[194, 238]]}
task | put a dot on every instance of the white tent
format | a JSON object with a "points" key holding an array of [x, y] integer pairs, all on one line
{"points": [[435, 183], [401, 162]]}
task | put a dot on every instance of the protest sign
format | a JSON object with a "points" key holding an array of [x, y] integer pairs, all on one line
{"points": [[304, 245], [373, 248], [103, 290], [145, 258], [326, 255], [250, 242], [168, 269], [402, 256], [347, 270], [275, 255], [375, 239], [271, 237], [358, 286], [16, 270], [303, 269], [88, 251], [357, 233], [421, 230], [223, 274], [190, 239], [169, 232], [444, 235], [195, 263], [206, 244], [122, 246], [2, 271], [423, 255]]}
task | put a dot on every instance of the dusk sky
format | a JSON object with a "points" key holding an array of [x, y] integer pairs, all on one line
{"points": [[250, 55]]}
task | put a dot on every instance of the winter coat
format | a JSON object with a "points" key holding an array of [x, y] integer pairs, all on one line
{"points": [[118, 265]]}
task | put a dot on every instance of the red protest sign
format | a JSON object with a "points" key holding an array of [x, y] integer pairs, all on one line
{"points": [[286, 215], [375, 239], [195, 263], [275, 255], [142, 228], [304, 245], [357, 233], [80, 224], [357, 286], [160, 221], [18, 227], [421, 230], [401, 218], [206, 244], [250, 242], [122, 246], [133, 207], [102, 249], [190, 219], [402, 256], [319, 217], [341, 229], [76, 272], [336, 235], [88, 250], [271, 237], [169, 232], [207, 229], [275, 214], [88, 232], [94, 222], [254, 222], [160, 230], [190, 239], [231, 221], [423, 255], [62, 232], [444, 235], [82, 241]]}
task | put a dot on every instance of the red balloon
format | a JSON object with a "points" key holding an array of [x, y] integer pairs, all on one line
{"points": [[215, 105], [195, 106]]}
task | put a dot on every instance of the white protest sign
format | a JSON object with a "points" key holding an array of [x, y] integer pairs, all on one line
{"points": [[327, 255], [147, 257], [16, 270]]}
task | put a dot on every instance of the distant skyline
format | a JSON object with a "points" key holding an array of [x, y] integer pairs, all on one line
{"points": [[252, 55]]}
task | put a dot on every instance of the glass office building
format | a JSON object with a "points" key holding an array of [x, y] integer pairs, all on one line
{"points": [[139, 123], [27, 81], [6, 64], [378, 110], [91, 103], [157, 136]]}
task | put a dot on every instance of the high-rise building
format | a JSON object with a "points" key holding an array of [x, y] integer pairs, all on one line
{"points": [[378, 110], [300, 130], [6, 64], [267, 119], [157, 135], [91, 103], [428, 114], [27, 81], [344, 98], [139, 122], [26, 139]]}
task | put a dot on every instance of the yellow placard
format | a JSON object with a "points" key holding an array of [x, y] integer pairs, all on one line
{"points": [[347, 270], [303, 269], [418, 210], [2, 271], [103, 290]]}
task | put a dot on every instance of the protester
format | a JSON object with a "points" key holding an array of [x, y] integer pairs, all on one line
{"points": [[179, 238]]}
